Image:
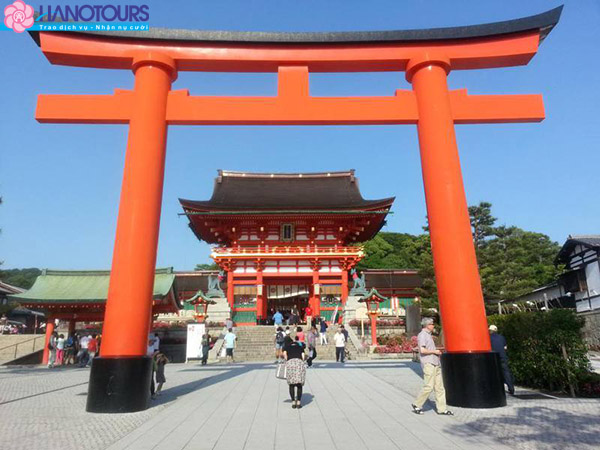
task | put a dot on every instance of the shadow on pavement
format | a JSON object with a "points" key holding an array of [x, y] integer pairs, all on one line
{"points": [[536, 427], [228, 371]]}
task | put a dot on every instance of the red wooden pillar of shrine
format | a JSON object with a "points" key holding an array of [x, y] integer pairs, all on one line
{"points": [[261, 304], [373, 316], [230, 296], [49, 331], [315, 301], [344, 286]]}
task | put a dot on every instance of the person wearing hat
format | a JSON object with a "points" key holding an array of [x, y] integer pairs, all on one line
{"points": [[499, 346], [432, 371]]}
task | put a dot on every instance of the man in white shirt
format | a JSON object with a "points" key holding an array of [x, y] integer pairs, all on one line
{"points": [[229, 340], [340, 345], [432, 371], [83, 356]]}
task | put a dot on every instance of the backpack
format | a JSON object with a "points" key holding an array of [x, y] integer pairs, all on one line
{"points": [[279, 338]]}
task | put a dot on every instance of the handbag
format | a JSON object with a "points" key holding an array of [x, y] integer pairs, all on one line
{"points": [[223, 352], [281, 371]]}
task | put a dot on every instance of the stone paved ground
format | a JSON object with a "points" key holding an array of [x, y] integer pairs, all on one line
{"points": [[243, 406]]}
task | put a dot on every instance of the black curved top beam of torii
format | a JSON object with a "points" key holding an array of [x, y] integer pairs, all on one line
{"points": [[543, 22]]}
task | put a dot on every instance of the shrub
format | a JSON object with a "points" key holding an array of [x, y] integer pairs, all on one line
{"points": [[380, 322], [535, 343], [398, 343]]}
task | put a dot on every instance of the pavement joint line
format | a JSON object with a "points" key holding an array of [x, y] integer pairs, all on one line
{"points": [[361, 407], [246, 394], [437, 420], [417, 437], [208, 416], [199, 383], [227, 397], [272, 396], [277, 422], [343, 412], [300, 418], [321, 413], [255, 412], [395, 391], [42, 393]]}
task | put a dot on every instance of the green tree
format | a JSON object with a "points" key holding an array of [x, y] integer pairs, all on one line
{"points": [[23, 278], [482, 223], [511, 261], [403, 251], [212, 266], [515, 262]]}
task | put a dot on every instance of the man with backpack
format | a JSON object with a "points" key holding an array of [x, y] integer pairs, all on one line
{"points": [[279, 343]]}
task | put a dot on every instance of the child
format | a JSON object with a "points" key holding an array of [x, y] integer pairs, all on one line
{"points": [[60, 349], [160, 359]]}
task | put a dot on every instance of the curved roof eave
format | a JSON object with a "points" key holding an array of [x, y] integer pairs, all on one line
{"points": [[208, 206], [543, 22]]}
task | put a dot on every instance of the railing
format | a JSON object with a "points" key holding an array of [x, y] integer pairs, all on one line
{"points": [[16, 346], [280, 249]]}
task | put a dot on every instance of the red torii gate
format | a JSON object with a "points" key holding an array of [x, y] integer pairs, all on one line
{"points": [[119, 379]]}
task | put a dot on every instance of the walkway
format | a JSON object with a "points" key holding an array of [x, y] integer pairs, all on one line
{"points": [[243, 406]]}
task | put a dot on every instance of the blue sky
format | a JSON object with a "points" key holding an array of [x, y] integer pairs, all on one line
{"points": [[61, 183]]}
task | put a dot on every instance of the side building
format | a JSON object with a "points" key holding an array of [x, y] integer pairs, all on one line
{"points": [[581, 280]]}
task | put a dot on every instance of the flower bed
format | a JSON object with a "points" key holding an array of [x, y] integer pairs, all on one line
{"points": [[380, 322], [396, 344], [181, 324]]}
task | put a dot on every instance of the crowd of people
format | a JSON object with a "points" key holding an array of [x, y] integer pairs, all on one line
{"points": [[291, 316], [13, 328], [77, 349]]}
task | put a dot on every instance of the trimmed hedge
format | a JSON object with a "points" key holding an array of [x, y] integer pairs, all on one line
{"points": [[535, 343]]}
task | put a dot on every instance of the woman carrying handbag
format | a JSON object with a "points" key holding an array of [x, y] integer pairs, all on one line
{"points": [[295, 369]]}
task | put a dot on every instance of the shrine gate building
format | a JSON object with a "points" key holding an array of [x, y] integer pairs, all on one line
{"points": [[286, 240]]}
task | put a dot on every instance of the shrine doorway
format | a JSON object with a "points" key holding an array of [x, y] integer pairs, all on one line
{"points": [[290, 298]]}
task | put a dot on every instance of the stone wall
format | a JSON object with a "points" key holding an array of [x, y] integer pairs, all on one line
{"points": [[591, 329]]}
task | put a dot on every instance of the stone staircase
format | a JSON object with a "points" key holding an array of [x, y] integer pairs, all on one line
{"points": [[257, 344], [15, 346]]}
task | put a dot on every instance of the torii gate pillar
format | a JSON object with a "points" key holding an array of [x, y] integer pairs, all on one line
{"points": [[129, 311], [120, 378], [455, 263]]}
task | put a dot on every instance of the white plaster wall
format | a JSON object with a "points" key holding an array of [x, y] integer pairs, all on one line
{"points": [[592, 274]]}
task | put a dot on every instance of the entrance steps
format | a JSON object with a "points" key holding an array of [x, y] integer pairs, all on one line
{"points": [[258, 344]]}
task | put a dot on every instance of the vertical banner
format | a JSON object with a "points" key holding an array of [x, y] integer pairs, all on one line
{"points": [[194, 339], [333, 316]]}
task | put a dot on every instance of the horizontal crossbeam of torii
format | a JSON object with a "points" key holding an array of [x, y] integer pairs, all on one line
{"points": [[471, 371]]}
